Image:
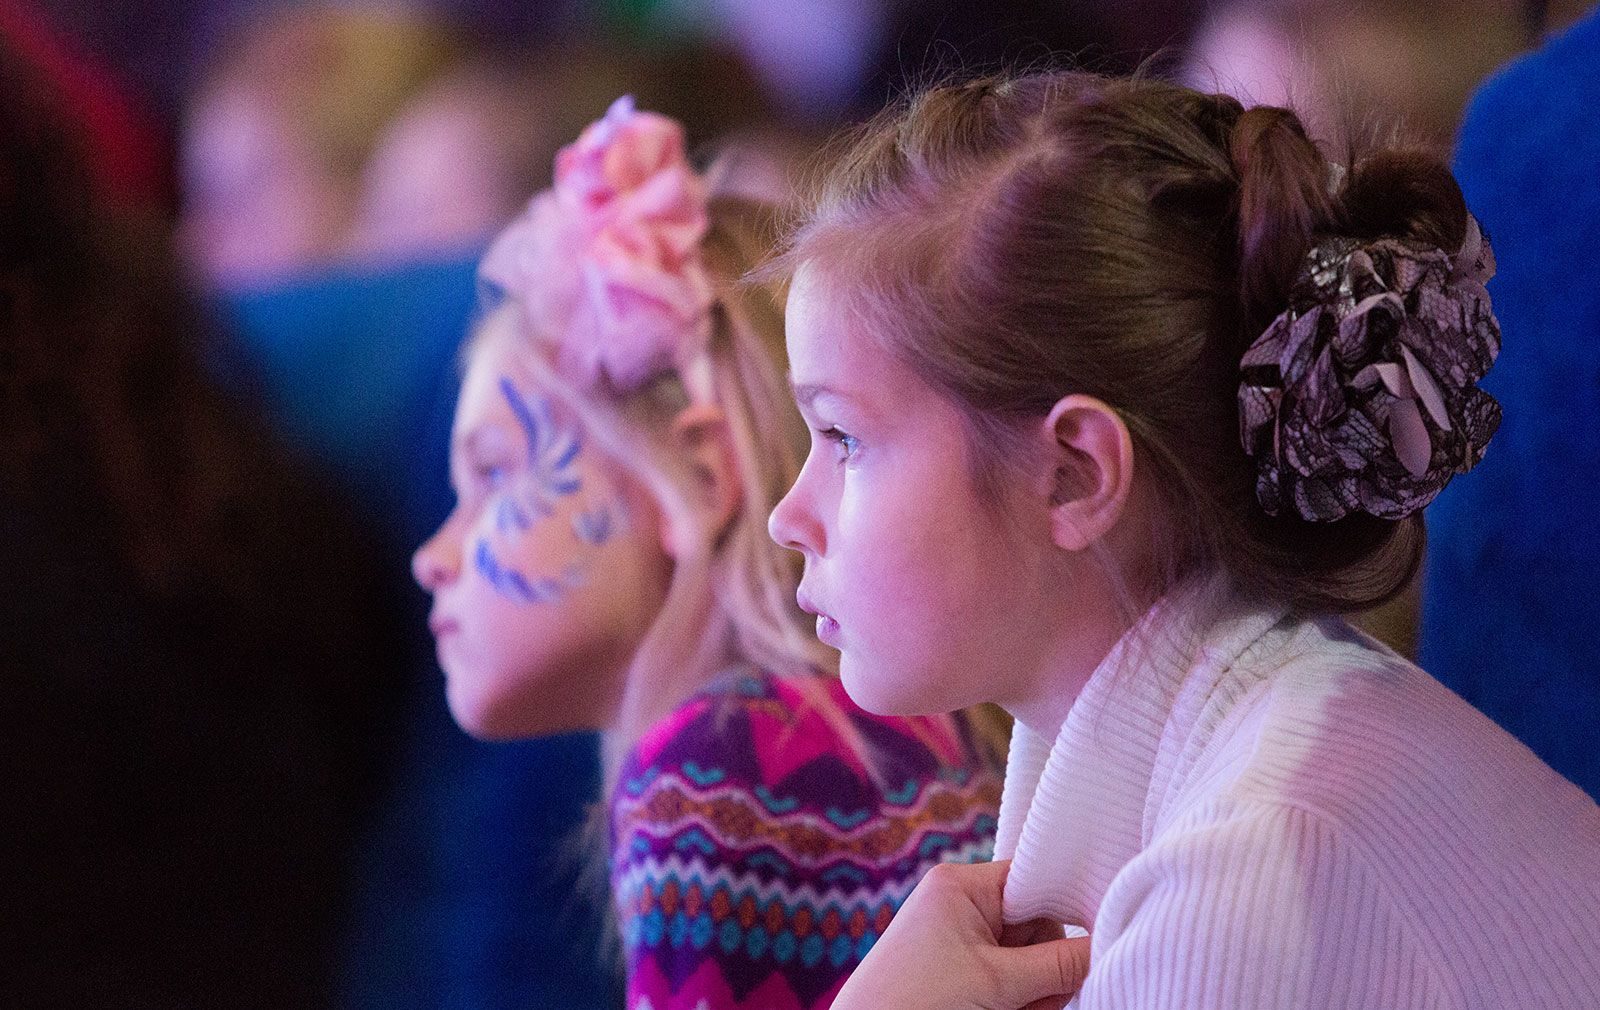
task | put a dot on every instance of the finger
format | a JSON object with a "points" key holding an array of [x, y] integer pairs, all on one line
{"points": [[1043, 971], [1022, 934], [986, 886], [982, 885]]}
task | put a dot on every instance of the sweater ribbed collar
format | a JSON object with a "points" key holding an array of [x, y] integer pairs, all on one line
{"points": [[1076, 808]]}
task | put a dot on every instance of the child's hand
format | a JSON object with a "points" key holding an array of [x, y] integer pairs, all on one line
{"points": [[948, 950]]}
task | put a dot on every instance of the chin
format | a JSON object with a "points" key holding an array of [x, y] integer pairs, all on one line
{"points": [[478, 715], [500, 715], [484, 709], [884, 692]]}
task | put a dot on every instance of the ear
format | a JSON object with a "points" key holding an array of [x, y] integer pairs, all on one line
{"points": [[715, 489], [1090, 453]]}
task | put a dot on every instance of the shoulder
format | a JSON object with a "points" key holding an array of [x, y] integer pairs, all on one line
{"points": [[1343, 727], [1350, 780], [1254, 903], [758, 750], [1251, 904], [1331, 723], [765, 833]]}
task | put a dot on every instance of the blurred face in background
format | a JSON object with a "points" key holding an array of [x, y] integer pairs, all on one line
{"points": [[258, 203], [282, 124], [447, 173], [1352, 71], [549, 571]]}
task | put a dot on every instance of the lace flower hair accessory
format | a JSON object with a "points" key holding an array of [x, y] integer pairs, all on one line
{"points": [[1362, 395], [606, 264]]}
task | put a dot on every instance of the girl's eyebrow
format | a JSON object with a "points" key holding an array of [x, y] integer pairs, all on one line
{"points": [[468, 440], [471, 443], [805, 393]]}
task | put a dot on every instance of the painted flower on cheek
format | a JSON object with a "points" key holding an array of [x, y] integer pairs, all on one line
{"points": [[551, 454], [533, 499], [607, 262]]}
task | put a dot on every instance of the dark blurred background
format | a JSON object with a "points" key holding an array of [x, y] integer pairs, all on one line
{"points": [[238, 258]]}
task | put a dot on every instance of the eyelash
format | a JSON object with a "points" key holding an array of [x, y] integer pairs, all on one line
{"points": [[848, 445], [490, 477]]}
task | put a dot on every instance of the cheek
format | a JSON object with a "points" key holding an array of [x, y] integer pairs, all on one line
{"points": [[550, 610], [921, 578], [896, 548], [533, 549]]}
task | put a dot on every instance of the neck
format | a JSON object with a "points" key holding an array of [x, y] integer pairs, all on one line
{"points": [[690, 642], [1102, 614]]}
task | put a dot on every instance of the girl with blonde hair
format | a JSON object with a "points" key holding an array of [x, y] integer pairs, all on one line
{"points": [[622, 433]]}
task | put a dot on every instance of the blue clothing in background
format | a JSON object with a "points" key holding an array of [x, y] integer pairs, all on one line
{"points": [[1511, 607], [466, 894], [359, 369]]}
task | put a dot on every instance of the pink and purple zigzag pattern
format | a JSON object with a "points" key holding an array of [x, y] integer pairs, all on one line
{"points": [[757, 856]]}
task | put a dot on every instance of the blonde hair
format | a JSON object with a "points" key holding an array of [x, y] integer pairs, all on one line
{"points": [[752, 580]]}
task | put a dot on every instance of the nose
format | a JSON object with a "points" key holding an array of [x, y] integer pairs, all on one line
{"points": [[793, 522], [438, 561]]}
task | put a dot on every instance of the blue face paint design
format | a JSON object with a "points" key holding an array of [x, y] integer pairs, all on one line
{"points": [[595, 526], [509, 582], [510, 518], [574, 576], [551, 475], [552, 452], [552, 460]]}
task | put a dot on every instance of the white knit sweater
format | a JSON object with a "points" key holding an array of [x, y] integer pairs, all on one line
{"points": [[1280, 814]]}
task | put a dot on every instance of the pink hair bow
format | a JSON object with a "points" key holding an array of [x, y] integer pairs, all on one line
{"points": [[606, 264]]}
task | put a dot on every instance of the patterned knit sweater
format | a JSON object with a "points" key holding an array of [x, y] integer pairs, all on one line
{"points": [[755, 859]]}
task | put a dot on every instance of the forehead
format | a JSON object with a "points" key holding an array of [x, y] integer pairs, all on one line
{"points": [[814, 321], [826, 345], [495, 357], [832, 350]]}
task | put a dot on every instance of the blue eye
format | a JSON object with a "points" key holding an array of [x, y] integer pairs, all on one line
{"points": [[848, 444]]}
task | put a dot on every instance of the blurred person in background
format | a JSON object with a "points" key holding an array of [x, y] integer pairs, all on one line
{"points": [[622, 434], [462, 898], [1338, 64], [280, 131], [456, 162], [824, 62], [198, 668], [159, 46], [451, 166], [1513, 550], [126, 154]]}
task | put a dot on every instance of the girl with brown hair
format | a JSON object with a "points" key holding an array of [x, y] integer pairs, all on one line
{"points": [[1121, 394]]}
